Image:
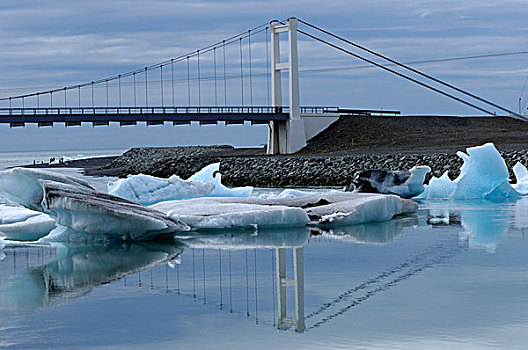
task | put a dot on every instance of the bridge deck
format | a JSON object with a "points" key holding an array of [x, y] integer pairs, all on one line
{"points": [[151, 115]]}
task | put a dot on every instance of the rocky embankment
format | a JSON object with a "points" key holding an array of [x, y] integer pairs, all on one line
{"points": [[251, 167]]}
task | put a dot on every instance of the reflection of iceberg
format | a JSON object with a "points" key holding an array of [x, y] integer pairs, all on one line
{"points": [[263, 239], [483, 175], [371, 233], [484, 228], [78, 269]]}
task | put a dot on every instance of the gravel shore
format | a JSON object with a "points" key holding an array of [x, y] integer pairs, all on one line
{"points": [[332, 157], [283, 171]]}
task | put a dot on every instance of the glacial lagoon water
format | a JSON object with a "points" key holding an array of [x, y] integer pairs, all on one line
{"points": [[453, 276]]}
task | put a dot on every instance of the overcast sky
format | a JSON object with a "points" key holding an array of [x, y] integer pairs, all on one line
{"points": [[52, 43]]}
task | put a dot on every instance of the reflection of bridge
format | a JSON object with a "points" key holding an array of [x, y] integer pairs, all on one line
{"points": [[234, 80], [237, 273]]}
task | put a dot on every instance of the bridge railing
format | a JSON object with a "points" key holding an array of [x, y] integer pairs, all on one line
{"points": [[43, 111]]}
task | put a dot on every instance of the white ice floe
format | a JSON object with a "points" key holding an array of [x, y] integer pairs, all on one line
{"points": [[332, 208], [483, 175], [147, 190], [23, 224], [21, 185], [362, 209], [211, 173], [209, 213]]}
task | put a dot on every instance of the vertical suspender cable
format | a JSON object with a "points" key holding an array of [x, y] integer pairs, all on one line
{"points": [[106, 83], [79, 95], [146, 87], [250, 72], [225, 77], [214, 63], [172, 81], [93, 100], [241, 76], [51, 100], [188, 83], [10, 105], [23, 103], [135, 95], [38, 99], [65, 102], [199, 80], [161, 84], [119, 85]]}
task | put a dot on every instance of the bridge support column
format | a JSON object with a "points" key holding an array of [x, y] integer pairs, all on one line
{"points": [[289, 136]]}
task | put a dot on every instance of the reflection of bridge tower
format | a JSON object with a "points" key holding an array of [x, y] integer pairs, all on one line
{"points": [[297, 282]]}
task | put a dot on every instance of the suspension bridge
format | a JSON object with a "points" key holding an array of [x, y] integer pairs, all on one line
{"points": [[236, 80]]}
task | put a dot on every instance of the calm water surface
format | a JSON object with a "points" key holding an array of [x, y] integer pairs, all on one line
{"points": [[453, 276]]}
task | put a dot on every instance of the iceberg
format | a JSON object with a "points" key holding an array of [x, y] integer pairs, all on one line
{"points": [[99, 214], [147, 190], [21, 186], [483, 175], [211, 173], [23, 224], [74, 204], [2, 245], [332, 208], [406, 184]]}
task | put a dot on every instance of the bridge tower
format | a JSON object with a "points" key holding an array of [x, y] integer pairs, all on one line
{"points": [[285, 136]]}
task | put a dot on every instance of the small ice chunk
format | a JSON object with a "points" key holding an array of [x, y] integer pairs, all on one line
{"points": [[521, 174], [147, 190], [31, 229], [20, 185], [211, 173]]}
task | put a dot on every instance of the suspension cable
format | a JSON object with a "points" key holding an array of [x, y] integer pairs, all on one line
{"points": [[397, 73], [411, 69]]}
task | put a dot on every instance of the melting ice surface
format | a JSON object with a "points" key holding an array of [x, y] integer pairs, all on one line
{"points": [[483, 175]]}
